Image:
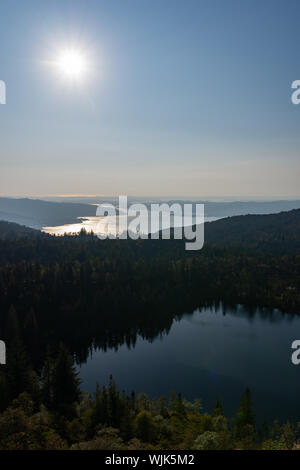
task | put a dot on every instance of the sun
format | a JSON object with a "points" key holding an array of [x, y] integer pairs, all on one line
{"points": [[72, 64]]}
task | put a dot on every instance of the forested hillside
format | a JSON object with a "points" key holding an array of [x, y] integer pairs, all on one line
{"points": [[70, 289], [11, 231], [272, 233]]}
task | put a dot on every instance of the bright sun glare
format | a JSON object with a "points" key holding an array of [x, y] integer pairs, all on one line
{"points": [[72, 64]]}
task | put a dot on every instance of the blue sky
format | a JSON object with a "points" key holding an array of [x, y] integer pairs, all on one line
{"points": [[185, 97]]}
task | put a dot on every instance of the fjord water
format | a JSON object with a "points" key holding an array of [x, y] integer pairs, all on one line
{"points": [[211, 353]]}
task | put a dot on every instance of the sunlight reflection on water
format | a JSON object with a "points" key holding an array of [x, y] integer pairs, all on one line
{"points": [[91, 224], [87, 223]]}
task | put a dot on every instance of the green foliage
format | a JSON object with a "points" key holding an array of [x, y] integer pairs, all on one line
{"points": [[49, 283], [209, 440], [100, 288], [245, 419], [145, 426], [26, 424], [106, 439], [218, 408]]}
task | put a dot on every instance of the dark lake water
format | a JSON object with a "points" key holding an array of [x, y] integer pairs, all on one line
{"points": [[211, 353]]}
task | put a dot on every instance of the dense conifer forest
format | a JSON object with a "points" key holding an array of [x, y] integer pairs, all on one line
{"points": [[63, 296]]}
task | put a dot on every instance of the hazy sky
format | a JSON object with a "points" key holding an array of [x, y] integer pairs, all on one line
{"points": [[183, 97]]}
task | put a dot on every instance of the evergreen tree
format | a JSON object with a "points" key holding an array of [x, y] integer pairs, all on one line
{"points": [[179, 405], [145, 426], [218, 408], [4, 392], [245, 418], [65, 383], [12, 329], [163, 410], [114, 404], [31, 330], [127, 423], [17, 368], [173, 401], [47, 380]]}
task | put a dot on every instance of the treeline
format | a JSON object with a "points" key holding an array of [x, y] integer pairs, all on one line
{"points": [[52, 413], [277, 234], [91, 293]]}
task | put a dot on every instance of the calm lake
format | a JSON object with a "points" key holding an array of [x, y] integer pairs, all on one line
{"points": [[211, 353]]}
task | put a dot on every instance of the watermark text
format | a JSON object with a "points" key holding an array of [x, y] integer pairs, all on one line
{"points": [[154, 221], [2, 352], [2, 92], [296, 94]]}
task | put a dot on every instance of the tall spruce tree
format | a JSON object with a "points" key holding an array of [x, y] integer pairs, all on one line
{"points": [[245, 418], [218, 408], [47, 380], [66, 389]]}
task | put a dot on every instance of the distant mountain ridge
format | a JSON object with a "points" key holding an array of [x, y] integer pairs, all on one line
{"points": [[37, 213], [271, 233]]}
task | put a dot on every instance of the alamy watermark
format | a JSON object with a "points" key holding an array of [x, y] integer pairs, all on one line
{"points": [[2, 92], [2, 352], [296, 94], [154, 221], [295, 358]]}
